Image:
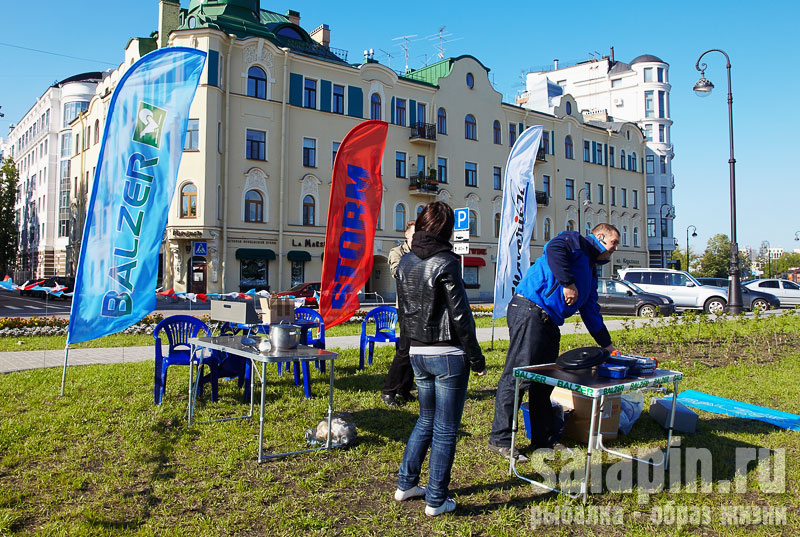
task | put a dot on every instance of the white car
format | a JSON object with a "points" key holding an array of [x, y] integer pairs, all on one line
{"points": [[680, 286], [788, 292]]}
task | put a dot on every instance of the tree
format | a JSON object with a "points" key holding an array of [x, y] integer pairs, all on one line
{"points": [[679, 254], [785, 262], [9, 177], [716, 259]]}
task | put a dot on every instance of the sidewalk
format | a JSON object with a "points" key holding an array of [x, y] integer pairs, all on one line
{"points": [[18, 361]]}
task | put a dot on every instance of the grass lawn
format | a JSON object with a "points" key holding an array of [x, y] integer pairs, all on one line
{"points": [[104, 461]]}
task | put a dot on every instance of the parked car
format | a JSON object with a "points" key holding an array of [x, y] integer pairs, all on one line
{"points": [[787, 291], [680, 286], [624, 298], [304, 290], [751, 300]]}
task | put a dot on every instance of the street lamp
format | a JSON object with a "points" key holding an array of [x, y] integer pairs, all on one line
{"points": [[703, 88], [694, 234], [581, 205], [661, 213], [765, 247]]}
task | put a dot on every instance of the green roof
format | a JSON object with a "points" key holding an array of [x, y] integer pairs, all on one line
{"points": [[432, 73]]}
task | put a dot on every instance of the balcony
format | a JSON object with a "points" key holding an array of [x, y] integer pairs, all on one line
{"points": [[421, 185], [423, 133], [542, 198], [541, 155]]}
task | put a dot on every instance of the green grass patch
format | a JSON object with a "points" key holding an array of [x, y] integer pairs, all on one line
{"points": [[104, 461]]}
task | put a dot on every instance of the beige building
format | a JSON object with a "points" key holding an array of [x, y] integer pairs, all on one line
{"points": [[273, 105]]}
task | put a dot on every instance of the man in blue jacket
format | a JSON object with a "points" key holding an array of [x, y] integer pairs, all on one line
{"points": [[560, 283]]}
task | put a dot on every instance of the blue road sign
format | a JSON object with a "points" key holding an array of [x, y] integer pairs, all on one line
{"points": [[200, 248], [462, 219]]}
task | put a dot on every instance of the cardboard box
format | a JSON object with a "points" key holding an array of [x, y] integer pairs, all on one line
{"points": [[277, 309], [577, 423], [234, 312], [685, 418]]}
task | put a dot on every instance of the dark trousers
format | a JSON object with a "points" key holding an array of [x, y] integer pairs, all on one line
{"points": [[533, 340], [400, 379]]}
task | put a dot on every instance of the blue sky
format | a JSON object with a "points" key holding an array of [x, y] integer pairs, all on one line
{"points": [[510, 39]]}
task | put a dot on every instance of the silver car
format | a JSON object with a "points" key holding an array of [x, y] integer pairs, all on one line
{"points": [[788, 292], [680, 286]]}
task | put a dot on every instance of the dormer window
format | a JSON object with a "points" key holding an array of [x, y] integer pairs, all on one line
{"points": [[291, 33]]}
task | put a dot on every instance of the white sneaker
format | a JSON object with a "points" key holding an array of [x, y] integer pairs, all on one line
{"points": [[413, 492], [448, 506]]}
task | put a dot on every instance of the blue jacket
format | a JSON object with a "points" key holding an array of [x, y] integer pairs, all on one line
{"points": [[568, 258]]}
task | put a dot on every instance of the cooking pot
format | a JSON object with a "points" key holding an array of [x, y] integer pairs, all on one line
{"points": [[284, 336]]}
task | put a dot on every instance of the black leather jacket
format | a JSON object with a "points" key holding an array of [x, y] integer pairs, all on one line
{"points": [[433, 304]]}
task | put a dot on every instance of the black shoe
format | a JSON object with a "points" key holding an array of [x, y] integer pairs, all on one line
{"points": [[406, 397], [505, 452], [389, 400]]}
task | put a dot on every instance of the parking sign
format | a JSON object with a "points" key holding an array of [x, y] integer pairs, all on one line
{"points": [[200, 248], [462, 219]]}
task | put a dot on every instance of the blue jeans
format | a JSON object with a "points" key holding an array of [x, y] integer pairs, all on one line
{"points": [[441, 391]]}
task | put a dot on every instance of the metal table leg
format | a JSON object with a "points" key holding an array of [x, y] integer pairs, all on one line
{"points": [[593, 433], [511, 460], [671, 422], [261, 418]]}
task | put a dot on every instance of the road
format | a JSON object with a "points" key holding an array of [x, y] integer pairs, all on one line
{"points": [[13, 305]]}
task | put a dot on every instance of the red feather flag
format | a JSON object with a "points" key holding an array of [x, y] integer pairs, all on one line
{"points": [[355, 200]]}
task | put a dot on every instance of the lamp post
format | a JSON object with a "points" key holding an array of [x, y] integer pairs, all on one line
{"points": [[581, 205], [661, 231], [703, 88], [694, 234], [765, 247]]}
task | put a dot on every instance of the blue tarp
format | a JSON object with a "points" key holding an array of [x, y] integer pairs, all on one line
{"points": [[730, 407]]}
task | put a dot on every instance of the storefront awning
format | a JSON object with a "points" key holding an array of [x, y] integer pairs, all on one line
{"points": [[298, 255], [472, 261], [255, 253]]}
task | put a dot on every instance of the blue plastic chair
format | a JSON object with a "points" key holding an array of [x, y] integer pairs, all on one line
{"points": [[231, 365], [178, 329], [385, 319], [309, 315]]}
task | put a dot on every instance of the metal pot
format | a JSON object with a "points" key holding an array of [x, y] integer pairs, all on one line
{"points": [[284, 336]]}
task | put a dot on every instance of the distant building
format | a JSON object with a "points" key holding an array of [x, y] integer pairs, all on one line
{"points": [[611, 90], [41, 144]]}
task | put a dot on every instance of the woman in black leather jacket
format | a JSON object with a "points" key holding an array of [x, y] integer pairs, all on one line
{"points": [[435, 315]]}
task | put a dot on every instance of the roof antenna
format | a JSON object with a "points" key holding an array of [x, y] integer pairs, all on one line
{"points": [[442, 37], [388, 58], [404, 46]]}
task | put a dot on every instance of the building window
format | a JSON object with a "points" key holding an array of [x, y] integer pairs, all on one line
{"points": [[660, 72], [598, 154], [512, 134], [298, 272], [441, 168], [569, 108], [253, 206], [587, 191], [546, 141], [662, 106], [422, 112], [663, 195], [496, 132], [568, 148], [662, 129], [547, 229], [337, 106], [253, 272], [399, 164], [651, 195], [334, 150], [570, 225], [496, 225], [648, 132], [470, 174], [309, 209], [400, 112], [616, 82], [441, 121], [586, 152], [649, 110], [570, 189], [310, 93], [96, 132], [611, 156], [310, 152], [470, 127], [470, 81], [497, 178], [664, 225], [624, 193], [636, 237], [192, 135], [622, 159], [256, 83], [256, 145], [473, 223], [650, 166], [635, 199], [600, 194], [624, 235], [651, 227], [632, 162], [546, 184], [189, 201], [613, 195], [400, 217], [648, 74], [375, 107], [663, 161]]}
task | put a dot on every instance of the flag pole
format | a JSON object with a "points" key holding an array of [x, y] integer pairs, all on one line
{"points": [[64, 372], [492, 347]]}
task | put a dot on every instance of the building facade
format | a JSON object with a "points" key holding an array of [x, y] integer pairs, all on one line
{"points": [[41, 146], [638, 92], [275, 102]]}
